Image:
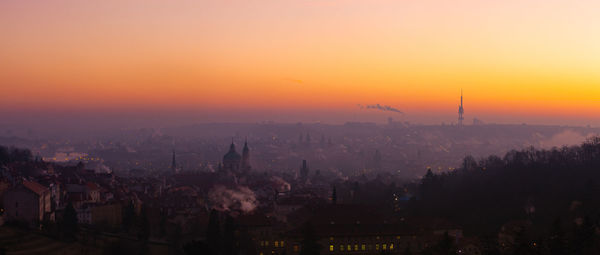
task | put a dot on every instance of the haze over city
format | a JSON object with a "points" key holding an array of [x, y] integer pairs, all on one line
{"points": [[300, 127]]}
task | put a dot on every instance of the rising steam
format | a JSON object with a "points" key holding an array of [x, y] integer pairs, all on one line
{"points": [[280, 185], [240, 198]]}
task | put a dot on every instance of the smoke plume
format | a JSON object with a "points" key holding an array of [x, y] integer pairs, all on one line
{"points": [[280, 185], [385, 108], [240, 198]]}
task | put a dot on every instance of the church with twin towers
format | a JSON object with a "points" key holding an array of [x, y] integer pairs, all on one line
{"points": [[233, 162]]}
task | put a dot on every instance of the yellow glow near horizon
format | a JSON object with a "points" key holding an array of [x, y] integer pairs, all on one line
{"points": [[531, 58]]}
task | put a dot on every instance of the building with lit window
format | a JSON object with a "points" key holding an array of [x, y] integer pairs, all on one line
{"points": [[357, 229], [348, 229]]}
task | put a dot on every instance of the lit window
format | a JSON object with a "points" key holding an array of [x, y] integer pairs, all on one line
{"points": [[363, 247], [262, 243], [376, 246], [276, 243], [356, 247], [296, 248], [384, 246], [341, 247], [391, 246], [281, 244], [261, 253], [349, 247], [330, 247], [266, 243]]}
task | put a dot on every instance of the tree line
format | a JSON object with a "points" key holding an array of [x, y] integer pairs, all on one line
{"points": [[553, 190]]}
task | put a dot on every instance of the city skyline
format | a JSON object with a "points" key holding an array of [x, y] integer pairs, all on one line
{"points": [[299, 127]]}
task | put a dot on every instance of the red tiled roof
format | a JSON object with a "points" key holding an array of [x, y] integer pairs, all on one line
{"points": [[35, 187]]}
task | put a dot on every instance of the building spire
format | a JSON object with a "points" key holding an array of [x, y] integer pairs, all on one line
{"points": [[246, 157], [232, 146], [173, 162], [461, 110]]}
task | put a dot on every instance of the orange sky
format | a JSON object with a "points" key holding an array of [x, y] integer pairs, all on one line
{"points": [[517, 61]]}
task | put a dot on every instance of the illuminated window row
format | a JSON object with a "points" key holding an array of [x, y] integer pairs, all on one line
{"points": [[277, 244], [363, 247]]}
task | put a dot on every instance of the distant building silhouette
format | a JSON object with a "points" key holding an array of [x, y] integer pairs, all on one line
{"points": [[304, 170], [174, 164], [232, 160], [246, 158], [377, 160], [461, 110]]}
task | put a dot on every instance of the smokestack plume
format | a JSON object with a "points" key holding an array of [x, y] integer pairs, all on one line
{"points": [[385, 108]]}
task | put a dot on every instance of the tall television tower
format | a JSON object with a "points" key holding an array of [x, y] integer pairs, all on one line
{"points": [[461, 110]]}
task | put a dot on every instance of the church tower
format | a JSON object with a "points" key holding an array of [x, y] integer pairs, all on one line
{"points": [[304, 170], [173, 164], [246, 158], [231, 160]]}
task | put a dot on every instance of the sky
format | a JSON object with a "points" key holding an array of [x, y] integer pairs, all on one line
{"points": [[517, 61]]}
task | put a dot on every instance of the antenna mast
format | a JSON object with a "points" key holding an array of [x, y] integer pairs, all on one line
{"points": [[461, 110]]}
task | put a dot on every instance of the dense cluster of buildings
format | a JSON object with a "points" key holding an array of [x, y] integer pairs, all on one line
{"points": [[270, 210], [36, 200]]}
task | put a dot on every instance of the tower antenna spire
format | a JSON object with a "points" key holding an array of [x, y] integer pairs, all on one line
{"points": [[461, 110]]}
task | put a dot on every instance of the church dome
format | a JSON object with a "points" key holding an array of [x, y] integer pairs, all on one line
{"points": [[232, 155]]}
